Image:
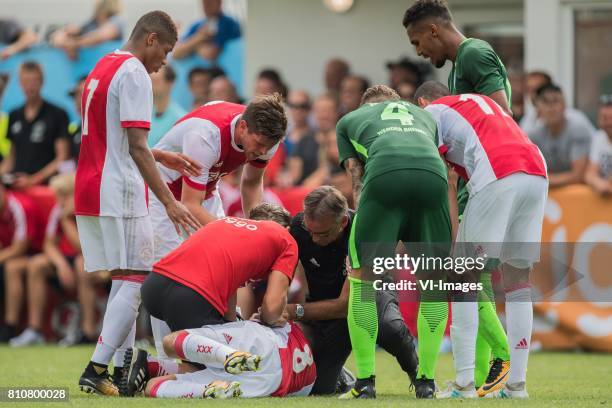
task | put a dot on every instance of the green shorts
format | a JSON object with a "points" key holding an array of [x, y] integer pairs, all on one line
{"points": [[408, 205]]}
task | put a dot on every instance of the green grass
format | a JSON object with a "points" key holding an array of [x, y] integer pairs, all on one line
{"points": [[555, 380]]}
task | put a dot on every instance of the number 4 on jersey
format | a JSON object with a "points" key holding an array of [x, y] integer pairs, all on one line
{"points": [[397, 111]]}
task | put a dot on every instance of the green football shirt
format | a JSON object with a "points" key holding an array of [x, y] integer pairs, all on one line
{"points": [[478, 69], [390, 136]]}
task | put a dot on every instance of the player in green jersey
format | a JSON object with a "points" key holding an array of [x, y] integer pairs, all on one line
{"points": [[390, 149], [476, 69]]}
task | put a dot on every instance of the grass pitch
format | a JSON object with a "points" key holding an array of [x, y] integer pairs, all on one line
{"points": [[555, 380]]}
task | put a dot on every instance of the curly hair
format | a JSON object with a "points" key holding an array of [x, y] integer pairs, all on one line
{"points": [[422, 9]]}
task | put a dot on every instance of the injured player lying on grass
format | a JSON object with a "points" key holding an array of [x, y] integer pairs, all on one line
{"points": [[242, 358]]}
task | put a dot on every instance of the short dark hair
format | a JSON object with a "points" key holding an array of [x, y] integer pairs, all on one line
{"points": [[379, 93], [265, 115], [423, 9], [31, 66], [271, 212], [213, 72], [169, 74], [547, 88], [363, 81], [545, 75], [156, 22], [431, 90], [325, 201], [274, 76]]}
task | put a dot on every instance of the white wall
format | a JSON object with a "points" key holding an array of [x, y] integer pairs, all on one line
{"points": [[299, 36], [49, 12]]}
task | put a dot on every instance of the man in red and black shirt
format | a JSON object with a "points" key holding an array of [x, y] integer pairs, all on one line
{"points": [[196, 284]]}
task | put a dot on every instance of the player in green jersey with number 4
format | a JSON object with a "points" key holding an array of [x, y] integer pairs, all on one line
{"points": [[476, 69], [390, 149]]}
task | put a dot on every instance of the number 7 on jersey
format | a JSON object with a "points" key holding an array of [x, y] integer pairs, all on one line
{"points": [[91, 88]]}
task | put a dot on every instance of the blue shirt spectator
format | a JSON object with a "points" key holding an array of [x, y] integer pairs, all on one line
{"points": [[165, 112], [208, 36]]}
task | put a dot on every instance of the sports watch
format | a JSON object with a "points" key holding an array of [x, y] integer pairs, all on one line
{"points": [[299, 312]]}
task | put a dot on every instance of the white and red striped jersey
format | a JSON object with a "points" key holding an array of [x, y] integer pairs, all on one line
{"points": [[297, 364], [117, 96], [482, 142], [206, 135]]}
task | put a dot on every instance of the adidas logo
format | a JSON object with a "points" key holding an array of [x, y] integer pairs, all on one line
{"points": [[314, 262], [228, 338], [522, 345]]}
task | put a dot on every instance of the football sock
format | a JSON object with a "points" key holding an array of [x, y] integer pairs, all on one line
{"points": [[363, 325], [483, 359], [519, 320], [490, 331], [127, 343], [431, 322], [159, 329], [119, 318], [158, 367], [177, 389], [463, 331], [201, 349]]}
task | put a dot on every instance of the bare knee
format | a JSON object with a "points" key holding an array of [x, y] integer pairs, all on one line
{"points": [[15, 268], [38, 265], [168, 343]]}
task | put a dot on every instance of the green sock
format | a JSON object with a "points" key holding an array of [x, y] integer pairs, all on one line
{"points": [[483, 357], [490, 328], [431, 323], [363, 325]]}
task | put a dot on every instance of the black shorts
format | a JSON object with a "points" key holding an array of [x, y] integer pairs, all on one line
{"points": [[176, 304], [331, 343]]}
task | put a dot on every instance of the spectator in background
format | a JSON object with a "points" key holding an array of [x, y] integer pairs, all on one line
{"points": [[15, 38], [38, 132], [222, 89], [21, 230], [208, 36], [269, 81], [299, 105], [199, 83], [404, 70], [61, 257], [563, 140], [599, 170], [336, 70], [517, 84], [103, 26], [351, 89], [5, 144], [74, 128], [165, 111], [406, 91], [535, 80], [326, 109]]}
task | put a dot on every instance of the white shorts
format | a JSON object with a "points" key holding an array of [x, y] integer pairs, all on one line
{"points": [[504, 220], [165, 238], [244, 336], [112, 243]]}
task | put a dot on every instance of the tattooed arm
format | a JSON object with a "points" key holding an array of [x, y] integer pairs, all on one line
{"points": [[354, 167]]}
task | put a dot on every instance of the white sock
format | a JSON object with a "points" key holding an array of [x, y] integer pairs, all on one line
{"points": [[159, 367], [178, 389], [463, 331], [201, 349], [120, 315], [160, 329], [519, 322], [127, 343]]}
